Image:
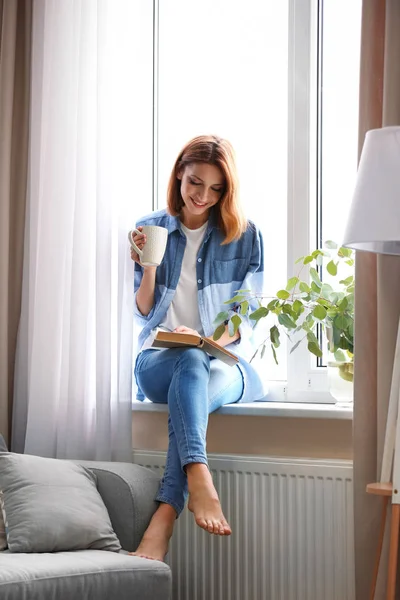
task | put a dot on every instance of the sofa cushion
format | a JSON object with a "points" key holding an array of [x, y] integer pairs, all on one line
{"points": [[52, 505], [85, 574], [3, 537]]}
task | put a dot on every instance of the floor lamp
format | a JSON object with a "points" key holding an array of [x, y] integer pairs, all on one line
{"points": [[374, 226]]}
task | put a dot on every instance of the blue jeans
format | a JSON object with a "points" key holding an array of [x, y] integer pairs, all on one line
{"points": [[193, 385]]}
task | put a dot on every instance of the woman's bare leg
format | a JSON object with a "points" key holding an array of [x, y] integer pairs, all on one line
{"points": [[204, 502], [156, 538]]}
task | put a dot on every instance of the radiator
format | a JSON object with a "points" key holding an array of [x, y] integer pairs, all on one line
{"points": [[292, 523]]}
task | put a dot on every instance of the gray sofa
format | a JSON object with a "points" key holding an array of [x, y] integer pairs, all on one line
{"points": [[128, 492]]}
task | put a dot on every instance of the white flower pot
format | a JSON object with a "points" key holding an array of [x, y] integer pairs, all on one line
{"points": [[340, 381]]}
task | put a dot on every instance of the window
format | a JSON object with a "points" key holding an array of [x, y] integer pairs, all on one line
{"points": [[332, 153], [279, 79]]}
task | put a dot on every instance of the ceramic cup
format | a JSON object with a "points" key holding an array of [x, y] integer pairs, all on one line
{"points": [[153, 251]]}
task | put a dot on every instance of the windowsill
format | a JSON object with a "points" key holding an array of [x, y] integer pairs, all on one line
{"points": [[301, 410]]}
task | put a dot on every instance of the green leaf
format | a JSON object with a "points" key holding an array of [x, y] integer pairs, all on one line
{"points": [[331, 245], [286, 321], [283, 295], [323, 302], [326, 289], [235, 299], [333, 297], [347, 252], [292, 282], [317, 253], [331, 267], [350, 262], [312, 338], [308, 260], [263, 350], [237, 321], [319, 312], [274, 335], [259, 313], [274, 353], [304, 287], [273, 304], [314, 349], [231, 328], [244, 307], [341, 322], [299, 260], [343, 304], [315, 277], [336, 338], [347, 281], [298, 307], [339, 356], [222, 316], [315, 288], [242, 291], [295, 346], [287, 309], [219, 332]]}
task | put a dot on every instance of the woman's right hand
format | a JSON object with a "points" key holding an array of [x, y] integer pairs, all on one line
{"points": [[140, 240]]}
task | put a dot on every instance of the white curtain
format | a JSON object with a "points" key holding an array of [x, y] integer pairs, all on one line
{"points": [[73, 382]]}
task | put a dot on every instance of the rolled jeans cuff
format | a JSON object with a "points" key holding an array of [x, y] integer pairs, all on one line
{"points": [[165, 500], [194, 459]]}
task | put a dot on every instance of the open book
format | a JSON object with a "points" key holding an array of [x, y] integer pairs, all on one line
{"points": [[166, 339]]}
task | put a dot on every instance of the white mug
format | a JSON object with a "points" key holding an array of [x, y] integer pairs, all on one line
{"points": [[153, 251]]}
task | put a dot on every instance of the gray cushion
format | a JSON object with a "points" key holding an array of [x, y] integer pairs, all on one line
{"points": [[82, 575], [128, 491], [52, 505]]}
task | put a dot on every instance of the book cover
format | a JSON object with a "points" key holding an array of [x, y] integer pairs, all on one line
{"points": [[166, 339]]}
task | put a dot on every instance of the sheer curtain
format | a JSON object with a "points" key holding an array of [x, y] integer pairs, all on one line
{"points": [[74, 355]]}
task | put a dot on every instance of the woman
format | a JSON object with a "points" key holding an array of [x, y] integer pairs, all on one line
{"points": [[212, 251]]}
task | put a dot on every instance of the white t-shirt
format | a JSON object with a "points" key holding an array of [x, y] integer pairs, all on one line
{"points": [[184, 308]]}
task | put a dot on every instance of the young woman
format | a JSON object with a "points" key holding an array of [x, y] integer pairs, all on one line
{"points": [[212, 252]]}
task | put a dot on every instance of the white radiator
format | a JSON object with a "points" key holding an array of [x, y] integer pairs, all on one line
{"points": [[292, 538]]}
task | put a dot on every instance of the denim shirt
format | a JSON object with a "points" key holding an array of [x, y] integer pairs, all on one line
{"points": [[220, 272]]}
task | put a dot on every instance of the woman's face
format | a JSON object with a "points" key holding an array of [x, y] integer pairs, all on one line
{"points": [[202, 186]]}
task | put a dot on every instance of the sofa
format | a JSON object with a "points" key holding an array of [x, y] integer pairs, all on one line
{"points": [[128, 493]]}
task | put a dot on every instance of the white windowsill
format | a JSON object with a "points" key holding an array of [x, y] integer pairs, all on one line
{"points": [[301, 410]]}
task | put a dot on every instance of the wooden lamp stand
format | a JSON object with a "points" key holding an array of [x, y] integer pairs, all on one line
{"points": [[389, 485]]}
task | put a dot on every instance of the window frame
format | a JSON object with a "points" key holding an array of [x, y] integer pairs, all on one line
{"points": [[305, 383]]}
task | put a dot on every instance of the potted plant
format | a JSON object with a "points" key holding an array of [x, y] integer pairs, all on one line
{"points": [[300, 307]]}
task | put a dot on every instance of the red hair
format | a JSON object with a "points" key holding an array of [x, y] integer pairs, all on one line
{"points": [[216, 151]]}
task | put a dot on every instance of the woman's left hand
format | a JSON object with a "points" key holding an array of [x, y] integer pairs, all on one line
{"points": [[183, 329]]}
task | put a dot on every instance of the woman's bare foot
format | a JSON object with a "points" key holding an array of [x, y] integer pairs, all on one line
{"points": [[156, 538], [203, 500]]}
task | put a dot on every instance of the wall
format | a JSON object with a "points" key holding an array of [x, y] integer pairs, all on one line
{"points": [[267, 436]]}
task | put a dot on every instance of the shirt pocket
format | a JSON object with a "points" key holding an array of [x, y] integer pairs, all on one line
{"points": [[226, 271]]}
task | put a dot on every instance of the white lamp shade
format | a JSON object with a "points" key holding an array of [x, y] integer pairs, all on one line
{"points": [[374, 219]]}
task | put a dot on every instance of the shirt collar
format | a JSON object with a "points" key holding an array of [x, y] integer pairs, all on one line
{"points": [[174, 223]]}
